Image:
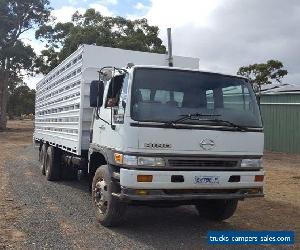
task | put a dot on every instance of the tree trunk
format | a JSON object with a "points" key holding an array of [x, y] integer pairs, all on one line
{"points": [[3, 98]]}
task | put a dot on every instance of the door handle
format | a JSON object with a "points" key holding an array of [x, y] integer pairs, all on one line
{"points": [[102, 127]]}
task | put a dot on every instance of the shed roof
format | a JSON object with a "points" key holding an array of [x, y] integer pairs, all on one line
{"points": [[276, 88]]}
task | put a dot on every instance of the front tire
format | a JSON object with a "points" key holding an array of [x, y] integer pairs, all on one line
{"points": [[109, 210], [53, 164], [217, 210]]}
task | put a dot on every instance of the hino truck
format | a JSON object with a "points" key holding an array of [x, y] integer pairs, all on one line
{"points": [[149, 132]]}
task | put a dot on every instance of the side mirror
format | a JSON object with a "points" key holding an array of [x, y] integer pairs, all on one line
{"points": [[96, 94]]}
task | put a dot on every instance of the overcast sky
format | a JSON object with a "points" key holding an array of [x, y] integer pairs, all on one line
{"points": [[224, 34]]}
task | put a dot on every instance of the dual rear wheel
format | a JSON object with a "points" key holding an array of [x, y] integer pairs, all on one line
{"points": [[52, 165]]}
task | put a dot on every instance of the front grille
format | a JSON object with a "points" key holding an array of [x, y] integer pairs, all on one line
{"points": [[202, 163]]}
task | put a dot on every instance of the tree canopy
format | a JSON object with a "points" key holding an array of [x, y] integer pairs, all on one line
{"points": [[93, 28], [17, 17], [263, 73]]}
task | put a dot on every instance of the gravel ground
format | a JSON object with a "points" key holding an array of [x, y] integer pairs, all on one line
{"points": [[59, 215], [38, 214]]}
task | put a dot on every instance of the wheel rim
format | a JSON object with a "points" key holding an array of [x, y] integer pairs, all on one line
{"points": [[101, 196]]}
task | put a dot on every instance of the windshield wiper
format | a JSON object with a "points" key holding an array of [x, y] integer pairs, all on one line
{"points": [[234, 125], [194, 116], [198, 116]]}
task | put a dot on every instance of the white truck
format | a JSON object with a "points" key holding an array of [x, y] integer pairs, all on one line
{"points": [[150, 134]]}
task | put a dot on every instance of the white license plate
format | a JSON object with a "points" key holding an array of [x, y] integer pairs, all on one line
{"points": [[206, 179]]}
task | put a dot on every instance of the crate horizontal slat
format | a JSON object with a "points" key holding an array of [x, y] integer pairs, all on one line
{"points": [[60, 95], [57, 89], [63, 103]]}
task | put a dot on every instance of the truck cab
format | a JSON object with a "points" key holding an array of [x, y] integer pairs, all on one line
{"points": [[171, 136]]}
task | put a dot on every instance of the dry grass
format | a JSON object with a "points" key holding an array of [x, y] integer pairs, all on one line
{"points": [[283, 178]]}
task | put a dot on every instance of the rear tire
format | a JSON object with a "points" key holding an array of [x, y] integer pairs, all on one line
{"points": [[109, 209], [52, 164], [217, 210], [42, 158]]}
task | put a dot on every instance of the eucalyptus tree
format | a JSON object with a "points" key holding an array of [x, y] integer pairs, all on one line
{"points": [[17, 17]]}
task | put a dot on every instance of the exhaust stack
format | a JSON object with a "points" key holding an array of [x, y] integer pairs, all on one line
{"points": [[170, 56]]}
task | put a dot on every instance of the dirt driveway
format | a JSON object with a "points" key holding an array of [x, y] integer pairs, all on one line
{"points": [[36, 214]]}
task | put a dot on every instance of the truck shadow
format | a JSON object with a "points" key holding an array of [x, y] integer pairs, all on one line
{"points": [[82, 185], [182, 227], [168, 228]]}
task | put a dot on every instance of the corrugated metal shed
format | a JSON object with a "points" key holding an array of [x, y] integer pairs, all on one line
{"points": [[280, 108]]}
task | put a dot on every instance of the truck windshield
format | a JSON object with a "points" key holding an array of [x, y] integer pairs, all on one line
{"points": [[166, 95]]}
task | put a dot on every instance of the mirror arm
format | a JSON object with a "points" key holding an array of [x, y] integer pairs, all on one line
{"points": [[104, 120], [98, 116]]}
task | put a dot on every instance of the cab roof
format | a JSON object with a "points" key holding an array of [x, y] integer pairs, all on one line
{"points": [[186, 69]]}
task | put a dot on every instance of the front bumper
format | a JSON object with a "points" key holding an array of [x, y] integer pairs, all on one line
{"points": [[162, 179], [189, 195], [162, 188]]}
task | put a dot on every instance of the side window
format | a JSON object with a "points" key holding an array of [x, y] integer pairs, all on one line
{"points": [[124, 92], [120, 90], [114, 91]]}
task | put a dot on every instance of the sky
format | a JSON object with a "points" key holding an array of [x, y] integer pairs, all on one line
{"points": [[223, 34]]}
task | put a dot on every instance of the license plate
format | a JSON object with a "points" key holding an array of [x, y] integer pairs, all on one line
{"points": [[206, 179]]}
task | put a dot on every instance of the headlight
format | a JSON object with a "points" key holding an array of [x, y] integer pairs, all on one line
{"points": [[150, 161], [251, 163], [131, 160]]}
